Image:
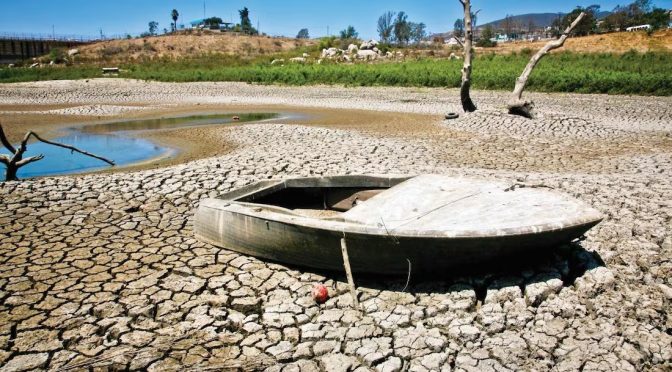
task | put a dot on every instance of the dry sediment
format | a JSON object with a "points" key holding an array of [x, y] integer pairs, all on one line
{"points": [[103, 270]]}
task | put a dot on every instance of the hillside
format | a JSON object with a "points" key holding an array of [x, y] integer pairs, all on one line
{"points": [[617, 42], [185, 45], [539, 19]]}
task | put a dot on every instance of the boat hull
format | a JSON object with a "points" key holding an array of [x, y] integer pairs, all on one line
{"points": [[320, 248]]}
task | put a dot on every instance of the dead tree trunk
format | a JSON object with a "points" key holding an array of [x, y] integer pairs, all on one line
{"points": [[15, 161], [517, 106], [467, 103]]}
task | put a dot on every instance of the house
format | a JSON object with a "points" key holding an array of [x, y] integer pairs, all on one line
{"points": [[501, 38], [638, 28], [203, 24], [452, 41]]}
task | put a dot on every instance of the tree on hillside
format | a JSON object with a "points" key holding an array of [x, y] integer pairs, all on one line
{"points": [[487, 34], [212, 22], [245, 23], [174, 15], [418, 31], [153, 27], [386, 26], [507, 25], [587, 24], [530, 26], [349, 33], [303, 34], [458, 28], [402, 28], [658, 18]]}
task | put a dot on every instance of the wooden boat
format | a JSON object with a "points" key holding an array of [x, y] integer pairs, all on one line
{"points": [[434, 222]]}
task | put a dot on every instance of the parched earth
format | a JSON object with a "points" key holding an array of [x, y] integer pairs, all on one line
{"points": [[103, 272]]}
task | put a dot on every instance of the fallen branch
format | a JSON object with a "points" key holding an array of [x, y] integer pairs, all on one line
{"points": [[16, 160], [467, 104], [517, 106], [71, 148]]}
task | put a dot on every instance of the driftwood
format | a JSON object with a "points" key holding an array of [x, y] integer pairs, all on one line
{"points": [[15, 161], [348, 274], [517, 105], [467, 103]]}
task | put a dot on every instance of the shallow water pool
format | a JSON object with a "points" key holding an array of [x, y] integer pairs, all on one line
{"points": [[114, 141]]}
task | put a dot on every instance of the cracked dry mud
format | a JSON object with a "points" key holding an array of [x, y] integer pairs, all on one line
{"points": [[103, 272]]}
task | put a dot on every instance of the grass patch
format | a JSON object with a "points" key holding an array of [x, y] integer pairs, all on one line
{"points": [[629, 73]]}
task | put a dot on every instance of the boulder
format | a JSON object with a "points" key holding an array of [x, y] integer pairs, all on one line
{"points": [[73, 52], [11, 65], [367, 54], [306, 55], [331, 52], [277, 61], [352, 49], [34, 65], [367, 45], [297, 60]]}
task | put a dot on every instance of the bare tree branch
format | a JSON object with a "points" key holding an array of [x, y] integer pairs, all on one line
{"points": [[16, 161], [29, 160], [524, 108], [71, 148], [467, 103], [5, 142]]}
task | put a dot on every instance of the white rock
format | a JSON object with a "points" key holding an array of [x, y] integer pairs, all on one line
{"points": [[367, 54]]}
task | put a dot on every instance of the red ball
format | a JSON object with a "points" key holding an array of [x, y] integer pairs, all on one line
{"points": [[320, 293]]}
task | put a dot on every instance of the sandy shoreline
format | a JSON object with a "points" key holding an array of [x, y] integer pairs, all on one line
{"points": [[103, 270]]}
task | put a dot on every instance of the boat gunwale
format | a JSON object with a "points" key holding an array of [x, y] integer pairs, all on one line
{"points": [[228, 201], [345, 227]]}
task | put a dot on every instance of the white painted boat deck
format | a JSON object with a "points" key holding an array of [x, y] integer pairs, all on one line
{"points": [[450, 204]]}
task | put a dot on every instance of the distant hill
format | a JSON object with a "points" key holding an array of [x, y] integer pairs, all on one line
{"points": [[539, 19], [185, 44]]}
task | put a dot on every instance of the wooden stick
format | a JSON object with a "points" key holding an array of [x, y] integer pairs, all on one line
{"points": [[348, 273], [524, 108]]}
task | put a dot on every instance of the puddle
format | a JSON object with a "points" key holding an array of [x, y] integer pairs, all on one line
{"points": [[113, 141]]}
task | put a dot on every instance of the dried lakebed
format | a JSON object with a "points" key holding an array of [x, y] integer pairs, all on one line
{"points": [[102, 271]]}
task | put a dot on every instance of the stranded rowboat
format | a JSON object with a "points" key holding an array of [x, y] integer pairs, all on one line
{"points": [[432, 221]]}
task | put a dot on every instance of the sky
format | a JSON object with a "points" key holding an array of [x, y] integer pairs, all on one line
{"points": [[119, 17]]}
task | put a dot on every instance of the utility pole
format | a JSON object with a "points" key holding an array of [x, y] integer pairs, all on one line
{"points": [[53, 32], [258, 29]]}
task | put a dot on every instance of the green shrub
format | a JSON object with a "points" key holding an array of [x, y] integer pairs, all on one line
{"points": [[629, 73]]}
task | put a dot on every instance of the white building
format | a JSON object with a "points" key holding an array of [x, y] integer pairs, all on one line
{"points": [[452, 41], [638, 28]]}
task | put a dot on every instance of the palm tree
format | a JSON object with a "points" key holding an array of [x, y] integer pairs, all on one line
{"points": [[175, 15]]}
